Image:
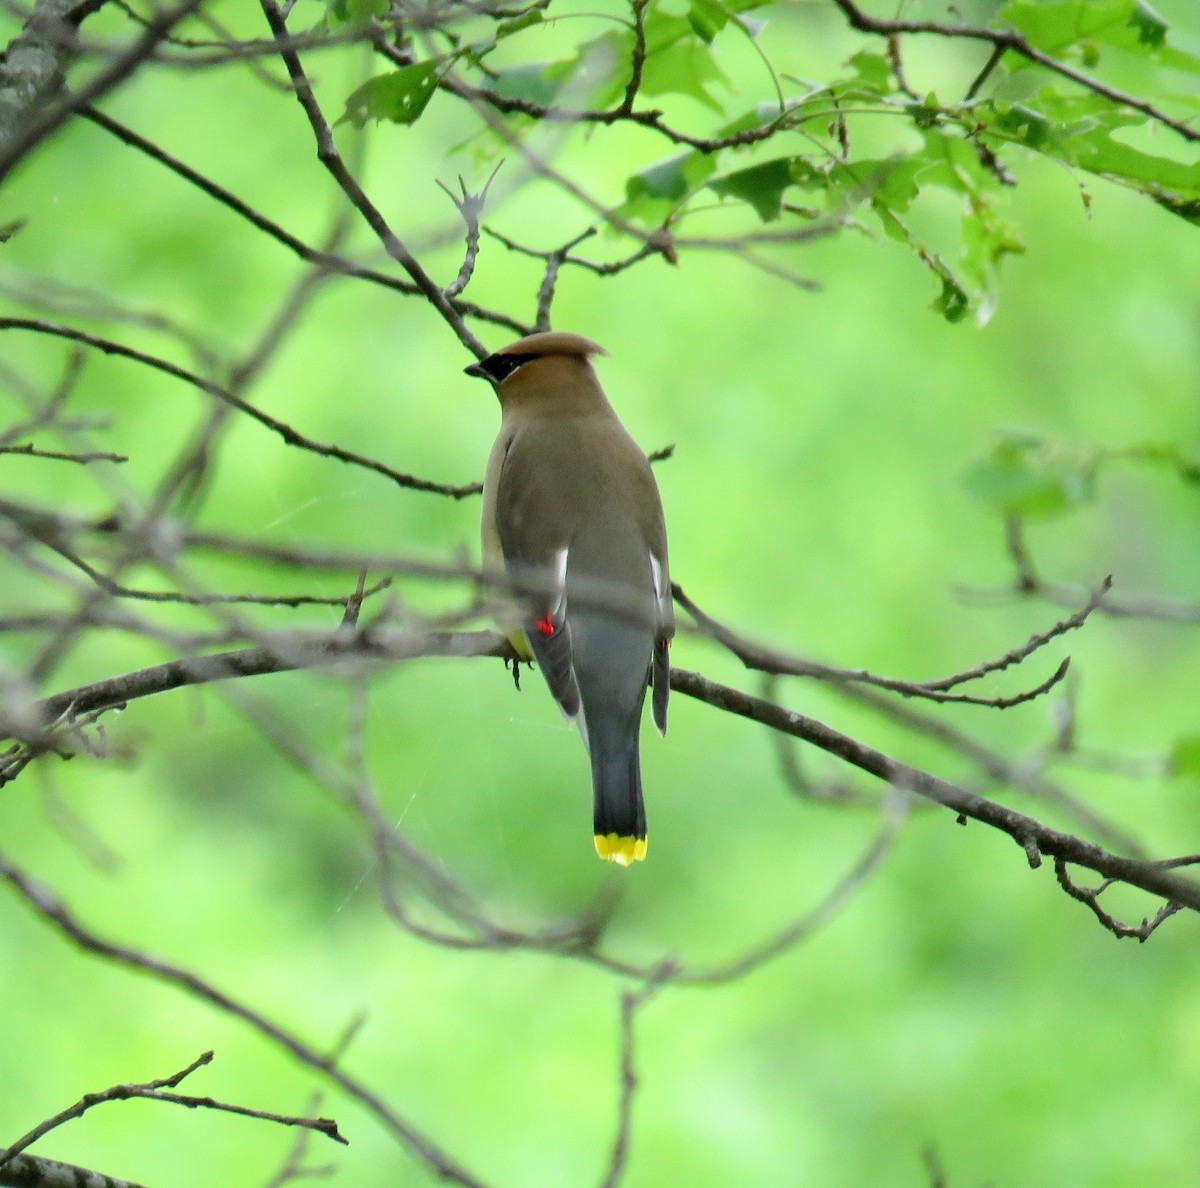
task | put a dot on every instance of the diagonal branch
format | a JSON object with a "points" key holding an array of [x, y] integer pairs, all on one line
{"points": [[1029, 833], [281, 235], [291, 436], [159, 1090], [48, 119], [327, 153], [1002, 41], [776, 663], [43, 718], [32, 1171], [50, 908], [34, 62]]}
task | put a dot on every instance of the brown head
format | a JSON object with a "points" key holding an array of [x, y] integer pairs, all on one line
{"points": [[551, 364]]}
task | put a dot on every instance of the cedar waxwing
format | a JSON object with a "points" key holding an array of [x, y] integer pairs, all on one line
{"points": [[572, 509]]}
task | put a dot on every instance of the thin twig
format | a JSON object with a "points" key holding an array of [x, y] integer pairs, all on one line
{"points": [[1035, 839], [470, 207], [327, 153], [1091, 897], [160, 1090], [632, 1002], [29, 450], [1028, 582], [769, 661], [291, 436], [257, 219], [42, 124], [1006, 40], [51, 909]]}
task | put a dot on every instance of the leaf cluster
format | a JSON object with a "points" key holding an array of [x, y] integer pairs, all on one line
{"points": [[754, 142]]}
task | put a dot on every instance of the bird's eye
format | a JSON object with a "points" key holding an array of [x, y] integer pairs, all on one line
{"points": [[500, 367]]}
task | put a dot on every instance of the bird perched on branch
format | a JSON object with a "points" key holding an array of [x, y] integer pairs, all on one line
{"points": [[572, 513]]}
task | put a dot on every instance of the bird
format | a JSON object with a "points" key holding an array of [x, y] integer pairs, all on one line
{"points": [[572, 518]]}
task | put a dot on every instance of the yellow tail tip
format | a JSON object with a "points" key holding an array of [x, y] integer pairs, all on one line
{"points": [[612, 847]]}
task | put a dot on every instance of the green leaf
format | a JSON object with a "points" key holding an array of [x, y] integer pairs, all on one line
{"points": [[399, 96], [952, 302], [508, 28], [762, 186], [357, 12], [872, 71], [664, 180], [707, 18], [684, 68], [1081, 131], [1185, 756], [1022, 123], [528, 84], [1027, 477], [652, 194], [893, 183], [1059, 24], [1151, 28], [987, 239], [1131, 26]]}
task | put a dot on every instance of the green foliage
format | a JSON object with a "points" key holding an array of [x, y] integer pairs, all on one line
{"points": [[808, 156], [811, 503], [1027, 477], [1063, 25], [866, 147], [1185, 756], [356, 12], [400, 96]]}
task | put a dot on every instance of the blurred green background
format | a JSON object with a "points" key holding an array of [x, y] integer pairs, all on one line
{"points": [[960, 1003]]}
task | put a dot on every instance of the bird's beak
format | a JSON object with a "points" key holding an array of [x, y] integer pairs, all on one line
{"points": [[476, 369]]}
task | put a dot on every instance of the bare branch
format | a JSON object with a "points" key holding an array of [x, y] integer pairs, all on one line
{"points": [[1027, 581], [52, 910], [257, 219], [632, 1002], [60, 712], [1025, 650], [289, 654], [470, 207], [29, 450], [158, 1091], [47, 119], [1003, 41], [31, 1171], [653, 246], [1035, 838], [328, 154], [637, 59], [1016, 772], [545, 294], [651, 119], [291, 436], [1091, 897], [769, 661]]}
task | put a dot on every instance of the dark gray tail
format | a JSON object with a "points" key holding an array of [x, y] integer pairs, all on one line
{"points": [[611, 659], [618, 813]]}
